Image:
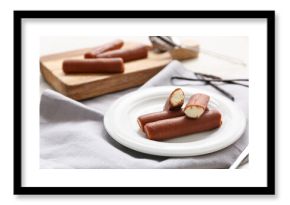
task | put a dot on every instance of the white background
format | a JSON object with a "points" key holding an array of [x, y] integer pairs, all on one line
{"points": [[282, 44]]}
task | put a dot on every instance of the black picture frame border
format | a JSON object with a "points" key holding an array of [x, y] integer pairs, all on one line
{"points": [[269, 15]]}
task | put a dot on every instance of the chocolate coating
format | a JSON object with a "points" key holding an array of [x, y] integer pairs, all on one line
{"points": [[131, 54], [114, 45], [152, 117], [170, 104], [196, 105], [180, 126], [100, 65]]}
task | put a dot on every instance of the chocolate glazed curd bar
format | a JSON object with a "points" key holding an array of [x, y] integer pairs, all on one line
{"points": [[114, 45], [175, 100], [100, 65], [172, 108], [180, 126], [152, 117], [131, 54], [196, 106]]}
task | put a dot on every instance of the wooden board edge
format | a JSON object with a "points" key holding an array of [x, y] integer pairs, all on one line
{"points": [[52, 80]]}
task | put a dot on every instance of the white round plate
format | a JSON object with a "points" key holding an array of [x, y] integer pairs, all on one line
{"points": [[121, 123]]}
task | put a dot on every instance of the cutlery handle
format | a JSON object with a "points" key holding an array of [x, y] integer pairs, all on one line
{"points": [[240, 159]]}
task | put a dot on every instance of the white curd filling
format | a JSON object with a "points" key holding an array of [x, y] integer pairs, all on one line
{"points": [[177, 98], [193, 111]]}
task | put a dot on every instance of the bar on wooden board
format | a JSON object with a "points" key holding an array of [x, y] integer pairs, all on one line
{"points": [[114, 45], [100, 65]]}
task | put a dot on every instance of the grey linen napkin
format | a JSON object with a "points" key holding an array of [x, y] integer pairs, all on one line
{"points": [[72, 134]]}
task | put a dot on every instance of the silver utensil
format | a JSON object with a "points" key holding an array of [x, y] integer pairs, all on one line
{"points": [[161, 43], [243, 157], [166, 43]]}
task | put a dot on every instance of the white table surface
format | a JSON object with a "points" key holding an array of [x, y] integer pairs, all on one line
{"points": [[226, 57]]}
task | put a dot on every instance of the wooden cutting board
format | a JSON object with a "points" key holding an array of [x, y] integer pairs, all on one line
{"points": [[84, 86]]}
